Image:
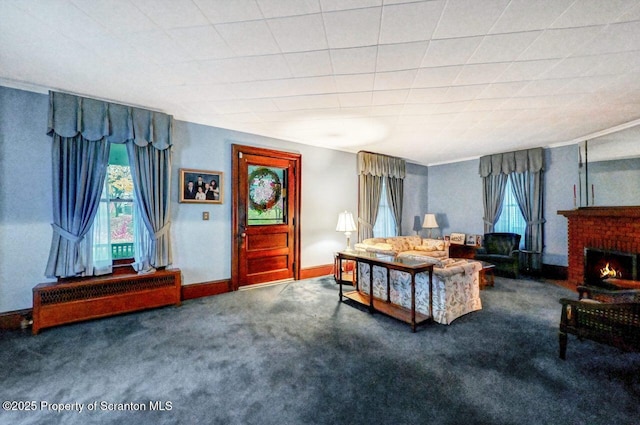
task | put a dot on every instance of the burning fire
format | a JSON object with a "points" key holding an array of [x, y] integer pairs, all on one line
{"points": [[607, 271]]}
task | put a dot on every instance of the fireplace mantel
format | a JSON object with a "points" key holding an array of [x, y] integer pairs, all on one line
{"points": [[607, 228], [603, 212]]}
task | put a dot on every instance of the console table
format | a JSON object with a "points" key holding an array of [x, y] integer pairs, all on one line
{"points": [[389, 262]]}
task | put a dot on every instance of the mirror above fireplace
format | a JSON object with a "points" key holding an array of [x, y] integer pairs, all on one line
{"points": [[609, 169]]}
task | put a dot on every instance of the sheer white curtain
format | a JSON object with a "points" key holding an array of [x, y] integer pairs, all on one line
{"points": [[385, 226], [97, 246]]}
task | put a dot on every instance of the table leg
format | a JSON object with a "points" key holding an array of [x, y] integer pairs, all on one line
{"points": [[371, 309], [413, 302]]}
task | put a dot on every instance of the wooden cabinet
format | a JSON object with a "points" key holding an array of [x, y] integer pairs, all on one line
{"points": [[462, 251]]}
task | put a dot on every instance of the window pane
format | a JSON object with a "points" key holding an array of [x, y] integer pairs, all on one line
{"points": [[267, 195], [385, 226], [511, 219]]}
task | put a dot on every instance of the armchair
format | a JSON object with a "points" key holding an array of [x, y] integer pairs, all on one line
{"points": [[501, 250], [607, 317]]}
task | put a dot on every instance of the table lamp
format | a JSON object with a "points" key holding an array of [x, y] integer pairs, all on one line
{"points": [[346, 225], [430, 223]]}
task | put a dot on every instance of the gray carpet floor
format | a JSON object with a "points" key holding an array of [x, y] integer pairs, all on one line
{"points": [[292, 354]]}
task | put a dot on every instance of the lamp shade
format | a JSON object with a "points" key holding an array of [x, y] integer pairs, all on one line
{"points": [[429, 221], [345, 222]]}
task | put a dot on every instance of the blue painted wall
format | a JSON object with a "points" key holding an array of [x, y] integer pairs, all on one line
{"points": [[329, 181]]}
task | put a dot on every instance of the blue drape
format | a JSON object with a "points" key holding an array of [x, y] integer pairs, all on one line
{"points": [[82, 129], [80, 167]]}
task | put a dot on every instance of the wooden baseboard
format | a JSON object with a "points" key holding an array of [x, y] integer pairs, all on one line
{"points": [[205, 289], [12, 320], [316, 271]]}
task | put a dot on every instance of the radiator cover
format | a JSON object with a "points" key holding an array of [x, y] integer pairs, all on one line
{"points": [[59, 303]]}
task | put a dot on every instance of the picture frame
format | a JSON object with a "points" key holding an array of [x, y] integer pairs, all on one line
{"points": [[193, 182], [471, 240], [457, 238]]}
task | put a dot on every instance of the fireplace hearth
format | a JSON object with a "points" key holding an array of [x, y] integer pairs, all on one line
{"points": [[607, 268]]}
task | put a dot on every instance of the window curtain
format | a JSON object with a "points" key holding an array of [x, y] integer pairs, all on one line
{"points": [[525, 170], [395, 194], [372, 168], [151, 174], [80, 166], [82, 130]]}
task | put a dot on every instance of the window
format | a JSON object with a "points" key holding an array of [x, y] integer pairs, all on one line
{"points": [[511, 219], [385, 225], [113, 236]]}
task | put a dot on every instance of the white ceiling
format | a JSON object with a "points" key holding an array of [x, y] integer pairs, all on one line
{"points": [[430, 81]]}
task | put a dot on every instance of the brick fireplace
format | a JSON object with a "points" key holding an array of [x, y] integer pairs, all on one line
{"points": [[606, 229]]}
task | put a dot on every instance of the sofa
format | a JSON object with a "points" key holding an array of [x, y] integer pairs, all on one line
{"points": [[456, 287], [406, 245]]}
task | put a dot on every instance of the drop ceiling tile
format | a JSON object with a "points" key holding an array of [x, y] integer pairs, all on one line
{"points": [[394, 80], [261, 105], [593, 12], [410, 21], [352, 28], [462, 18], [64, 16], [311, 85], [527, 15], [389, 97], [299, 33], [526, 70], [19, 27], [436, 77], [543, 87], [348, 100], [281, 8], [455, 51], [503, 47], [354, 83], [307, 102], [484, 105], [248, 38], [158, 46], [559, 43], [120, 17], [462, 93], [218, 11], [572, 67], [308, 64], [354, 61], [614, 38], [172, 13], [248, 68], [616, 63], [395, 57], [482, 73], [201, 43], [431, 95], [334, 5], [502, 90]]}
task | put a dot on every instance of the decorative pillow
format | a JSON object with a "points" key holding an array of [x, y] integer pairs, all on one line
{"points": [[436, 244], [399, 244], [413, 241], [383, 246], [373, 241], [424, 248]]}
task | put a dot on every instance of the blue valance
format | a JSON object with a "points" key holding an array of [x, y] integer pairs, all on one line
{"points": [[512, 162], [70, 115]]}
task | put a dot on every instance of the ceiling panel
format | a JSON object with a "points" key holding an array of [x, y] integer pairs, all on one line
{"points": [[478, 77]]}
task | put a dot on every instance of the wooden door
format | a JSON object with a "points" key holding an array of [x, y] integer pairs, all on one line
{"points": [[265, 222]]}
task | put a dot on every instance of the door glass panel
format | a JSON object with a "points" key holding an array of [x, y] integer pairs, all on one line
{"points": [[267, 195]]}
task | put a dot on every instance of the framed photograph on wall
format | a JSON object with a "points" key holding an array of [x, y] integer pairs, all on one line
{"points": [[200, 186], [457, 238]]}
